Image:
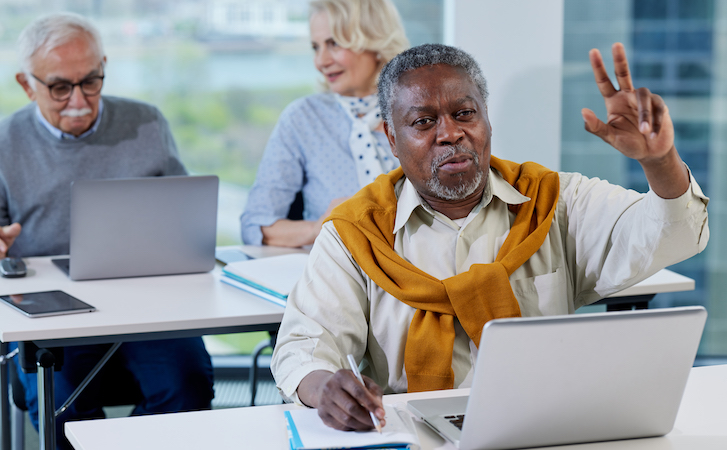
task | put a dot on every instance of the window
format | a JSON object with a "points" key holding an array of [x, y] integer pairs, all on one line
{"points": [[648, 70], [221, 71], [670, 47]]}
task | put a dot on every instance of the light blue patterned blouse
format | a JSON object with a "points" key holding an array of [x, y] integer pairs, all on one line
{"points": [[308, 150]]}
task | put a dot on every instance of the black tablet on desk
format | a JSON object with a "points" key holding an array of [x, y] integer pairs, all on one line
{"points": [[47, 303]]}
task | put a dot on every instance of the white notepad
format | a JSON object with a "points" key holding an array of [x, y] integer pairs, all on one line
{"points": [[306, 431], [275, 275]]}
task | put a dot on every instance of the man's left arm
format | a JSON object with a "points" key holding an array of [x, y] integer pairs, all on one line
{"points": [[174, 164], [638, 125], [8, 230], [616, 237]]}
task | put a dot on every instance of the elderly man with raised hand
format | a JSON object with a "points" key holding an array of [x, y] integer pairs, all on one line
{"points": [[405, 274], [70, 132]]}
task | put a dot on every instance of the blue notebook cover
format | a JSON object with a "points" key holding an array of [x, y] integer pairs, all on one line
{"points": [[254, 285], [247, 288]]}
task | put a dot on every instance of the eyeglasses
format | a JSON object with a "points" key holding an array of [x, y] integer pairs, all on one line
{"points": [[62, 90]]}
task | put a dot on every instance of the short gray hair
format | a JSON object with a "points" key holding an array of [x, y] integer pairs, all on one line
{"points": [[51, 31], [421, 56]]}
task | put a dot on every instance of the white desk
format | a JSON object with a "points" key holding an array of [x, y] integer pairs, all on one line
{"points": [[700, 424], [135, 308], [639, 295], [190, 305], [128, 309], [661, 282]]}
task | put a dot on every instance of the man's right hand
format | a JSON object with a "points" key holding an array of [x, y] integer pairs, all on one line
{"points": [[342, 402], [8, 234]]}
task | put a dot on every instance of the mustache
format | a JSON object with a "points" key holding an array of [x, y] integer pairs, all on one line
{"points": [[74, 112], [451, 151]]}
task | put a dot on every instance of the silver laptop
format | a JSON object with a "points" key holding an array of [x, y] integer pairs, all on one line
{"points": [[572, 379], [142, 226]]}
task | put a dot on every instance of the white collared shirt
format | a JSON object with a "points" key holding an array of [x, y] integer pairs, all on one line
{"points": [[603, 239], [58, 134]]}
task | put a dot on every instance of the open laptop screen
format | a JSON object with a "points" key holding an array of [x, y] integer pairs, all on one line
{"points": [[143, 226], [572, 379]]}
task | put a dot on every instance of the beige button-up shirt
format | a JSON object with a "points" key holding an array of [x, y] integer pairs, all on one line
{"points": [[603, 239]]}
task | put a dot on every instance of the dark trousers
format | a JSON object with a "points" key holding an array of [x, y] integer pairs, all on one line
{"points": [[173, 375]]}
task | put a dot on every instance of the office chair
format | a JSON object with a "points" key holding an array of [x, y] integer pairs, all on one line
{"points": [[125, 391], [296, 208]]}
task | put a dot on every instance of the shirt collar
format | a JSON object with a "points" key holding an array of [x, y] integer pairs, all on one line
{"points": [[58, 134], [409, 199]]}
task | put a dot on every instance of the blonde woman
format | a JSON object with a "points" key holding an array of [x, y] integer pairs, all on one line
{"points": [[327, 145]]}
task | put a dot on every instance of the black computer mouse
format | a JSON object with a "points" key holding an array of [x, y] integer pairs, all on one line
{"points": [[12, 267]]}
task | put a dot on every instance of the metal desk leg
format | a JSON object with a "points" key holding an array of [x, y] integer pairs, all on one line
{"points": [[627, 303], [46, 400], [5, 401]]}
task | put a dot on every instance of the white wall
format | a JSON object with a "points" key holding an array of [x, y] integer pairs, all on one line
{"points": [[519, 45]]}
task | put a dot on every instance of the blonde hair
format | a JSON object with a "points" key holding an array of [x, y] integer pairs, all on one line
{"points": [[361, 25]]}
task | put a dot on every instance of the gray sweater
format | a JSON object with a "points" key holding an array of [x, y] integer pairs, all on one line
{"points": [[36, 169]]}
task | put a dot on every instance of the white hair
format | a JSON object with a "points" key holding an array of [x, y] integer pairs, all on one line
{"points": [[51, 31]]}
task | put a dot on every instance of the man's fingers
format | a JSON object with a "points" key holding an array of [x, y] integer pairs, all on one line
{"points": [[363, 400], [377, 393], [8, 234], [594, 125], [621, 67], [599, 72], [338, 418], [658, 113], [12, 230], [645, 117], [345, 402]]}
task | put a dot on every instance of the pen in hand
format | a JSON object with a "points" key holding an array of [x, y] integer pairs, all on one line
{"points": [[354, 369]]}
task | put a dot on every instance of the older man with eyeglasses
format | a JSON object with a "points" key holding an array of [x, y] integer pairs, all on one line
{"points": [[70, 132]]}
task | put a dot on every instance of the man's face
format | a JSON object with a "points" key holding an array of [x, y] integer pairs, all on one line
{"points": [[442, 132], [72, 62]]}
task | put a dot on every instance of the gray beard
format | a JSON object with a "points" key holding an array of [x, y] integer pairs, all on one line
{"points": [[460, 191]]}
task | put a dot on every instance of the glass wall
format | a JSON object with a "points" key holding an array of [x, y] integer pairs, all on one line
{"points": [[676, 48]]}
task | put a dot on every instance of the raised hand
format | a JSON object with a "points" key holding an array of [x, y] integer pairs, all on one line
{"points": [[638, 125], [638, 122]]}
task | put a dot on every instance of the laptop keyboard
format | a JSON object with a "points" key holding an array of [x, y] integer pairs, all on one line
{"points": [[456, 420]]}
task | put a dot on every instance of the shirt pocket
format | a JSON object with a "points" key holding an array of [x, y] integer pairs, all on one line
{"points": [[543, 295]]}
